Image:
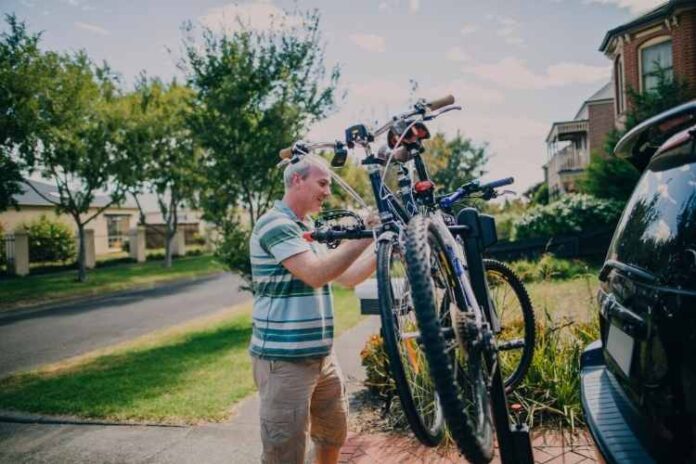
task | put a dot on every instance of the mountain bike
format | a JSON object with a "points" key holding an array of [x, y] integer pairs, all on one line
{"points": [[449, 335]]}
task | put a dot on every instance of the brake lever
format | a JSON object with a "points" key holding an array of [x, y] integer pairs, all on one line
{"points": [[441, 111]]}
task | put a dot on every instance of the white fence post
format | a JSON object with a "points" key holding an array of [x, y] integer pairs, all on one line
{"points": [[20, 262], [136, 244]]}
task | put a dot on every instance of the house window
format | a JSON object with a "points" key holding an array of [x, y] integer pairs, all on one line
{"points": [[619, 85], [653, 58], [117, 226]]}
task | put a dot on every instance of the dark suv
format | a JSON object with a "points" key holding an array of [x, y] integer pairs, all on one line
{"points": [[638, 382]]}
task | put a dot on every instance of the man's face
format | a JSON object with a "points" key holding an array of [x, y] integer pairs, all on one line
{"points": [[314, 189]]}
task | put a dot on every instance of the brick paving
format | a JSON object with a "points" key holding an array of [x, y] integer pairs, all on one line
{"points": [[550, 447]]}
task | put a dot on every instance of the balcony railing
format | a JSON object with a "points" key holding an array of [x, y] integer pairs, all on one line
{"points": [[565, 162], [567, 130]]}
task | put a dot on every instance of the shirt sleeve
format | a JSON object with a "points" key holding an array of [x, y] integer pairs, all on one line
{"points": [[284, 240]]}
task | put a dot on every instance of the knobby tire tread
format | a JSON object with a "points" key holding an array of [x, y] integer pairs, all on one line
{"points": [[418, 268], [427, 437]]}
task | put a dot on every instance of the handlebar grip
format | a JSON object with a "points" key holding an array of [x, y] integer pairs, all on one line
{"points": [[497, 183], [285, 153], [439, 103]]}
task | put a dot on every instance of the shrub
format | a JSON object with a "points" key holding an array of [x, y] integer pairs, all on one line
{"points": [[550, 393], [50, 241], [548, 267], [570, 214], [233, 250]]}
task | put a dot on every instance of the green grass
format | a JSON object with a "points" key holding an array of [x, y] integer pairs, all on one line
{"points": [[186, 374], [20, 291]]}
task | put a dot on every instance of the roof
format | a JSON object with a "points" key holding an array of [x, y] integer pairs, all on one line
{"points": [[30, 198], [655, 15], [605, 94]]}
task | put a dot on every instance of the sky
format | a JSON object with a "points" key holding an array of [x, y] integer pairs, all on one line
{"points": [[515, 66]]}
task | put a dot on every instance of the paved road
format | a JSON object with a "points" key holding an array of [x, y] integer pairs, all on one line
{"points": [[34, 337]]}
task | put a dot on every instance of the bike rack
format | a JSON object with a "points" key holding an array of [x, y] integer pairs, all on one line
{"points": [[478, 232]]}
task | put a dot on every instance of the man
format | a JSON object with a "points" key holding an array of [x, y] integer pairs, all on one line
{"points": [[299, 381]]}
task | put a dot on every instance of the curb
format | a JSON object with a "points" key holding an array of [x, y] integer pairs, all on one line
{"points": [[94, 296], [27, 418]]}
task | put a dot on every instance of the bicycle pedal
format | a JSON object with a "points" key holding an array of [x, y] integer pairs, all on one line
{"points": [[511, 345]]}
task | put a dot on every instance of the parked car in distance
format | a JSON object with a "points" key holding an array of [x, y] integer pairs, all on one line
{"points": [[638, 382]]}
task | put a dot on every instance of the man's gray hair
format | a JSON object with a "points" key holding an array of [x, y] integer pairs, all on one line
{"points": [[300, 168]]}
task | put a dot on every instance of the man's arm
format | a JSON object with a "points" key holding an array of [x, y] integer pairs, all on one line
{"points": [[317, 271], [361, 269]]}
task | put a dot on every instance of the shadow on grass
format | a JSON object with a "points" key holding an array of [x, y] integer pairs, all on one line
{"points": [[196, 376]]}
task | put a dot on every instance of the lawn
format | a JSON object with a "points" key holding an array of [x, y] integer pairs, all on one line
{"points": [[186, 374], [22, 291]]}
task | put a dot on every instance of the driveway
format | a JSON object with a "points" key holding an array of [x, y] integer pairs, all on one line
{"points": [[31, 338]]}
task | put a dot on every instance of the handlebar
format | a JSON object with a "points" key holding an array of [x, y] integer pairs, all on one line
{"points": [[440, 103], [421, 107], [302, 148], [447, 201], [333, 235]]}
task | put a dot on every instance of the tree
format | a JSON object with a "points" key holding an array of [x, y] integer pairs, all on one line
{"points": [[22, 79], [161, 142], [538, 194], [614, 178], [454, 162], [67, 130], [255, 93]]}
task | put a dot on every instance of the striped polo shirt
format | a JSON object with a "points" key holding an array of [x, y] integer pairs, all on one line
{"points": [[290, 319]]}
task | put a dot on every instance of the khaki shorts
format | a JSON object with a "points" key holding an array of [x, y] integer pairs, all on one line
{"points": [[296, 398]]}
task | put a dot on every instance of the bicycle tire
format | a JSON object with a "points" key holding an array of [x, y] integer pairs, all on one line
{"points": [[459, 371], [407, 363], [514, 314]]}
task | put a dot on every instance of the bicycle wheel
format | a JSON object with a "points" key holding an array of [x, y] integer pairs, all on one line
{"points": [[407, 362], [458, 369], [517, 334]]}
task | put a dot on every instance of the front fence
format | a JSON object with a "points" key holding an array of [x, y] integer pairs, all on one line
{"points": [[7, 253], [592, 244]]}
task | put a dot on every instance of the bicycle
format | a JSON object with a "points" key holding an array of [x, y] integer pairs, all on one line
{"points": [[455, 324]]}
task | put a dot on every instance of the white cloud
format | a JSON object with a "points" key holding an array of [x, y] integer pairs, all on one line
{"points": [[383, 6], [514, 73], [508, 29], [457, 54], [414, 5], [256, 16], [370, 42], [92, 28], [634, 6], [468, 29], [384, 91]]}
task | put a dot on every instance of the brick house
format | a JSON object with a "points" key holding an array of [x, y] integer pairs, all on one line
{"points": [[664, 37], [570, 143]]}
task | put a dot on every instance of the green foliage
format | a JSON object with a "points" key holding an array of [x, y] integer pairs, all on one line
{"points": [[550, 393], [3, 252], [157, 136], [22, 78], [50, 240], [62, 124], [609, 177], [233, 250], [254, 93], [538, 194], [454, 162], [548, 267], [570, 214]]}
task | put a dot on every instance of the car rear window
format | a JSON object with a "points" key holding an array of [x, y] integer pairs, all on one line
{"points": [[657, 232]]}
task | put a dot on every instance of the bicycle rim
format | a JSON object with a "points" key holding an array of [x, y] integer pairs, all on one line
{"points": [[407, 362], [516, 338]]}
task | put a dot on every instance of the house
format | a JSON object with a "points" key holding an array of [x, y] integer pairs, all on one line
{"points": [[190, 221], [664, 37], [570, 143], [110, 227]]}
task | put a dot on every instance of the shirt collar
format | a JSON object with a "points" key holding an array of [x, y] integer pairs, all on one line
{"points": [[285, 209]]}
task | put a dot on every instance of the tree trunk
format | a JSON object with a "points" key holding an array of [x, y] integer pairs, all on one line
{"points": [[168, 245], [81, 254]]}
